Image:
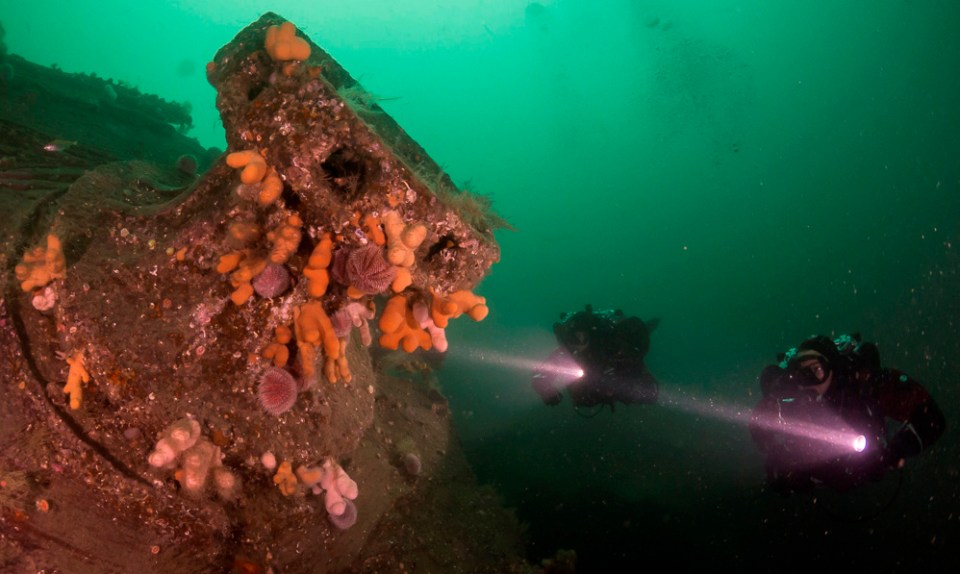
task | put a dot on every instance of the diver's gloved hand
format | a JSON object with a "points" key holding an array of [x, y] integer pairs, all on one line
{"points": [[904, 444], [871, 465], [891, 459], [552, 400], [548, 394]]}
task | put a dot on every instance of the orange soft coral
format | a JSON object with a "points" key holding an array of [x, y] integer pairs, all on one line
{"points": [[313, 329], [42, 265], [403, 280], [78, 374], [244, 268], [442, 309], [308, 360], [253, 164], [285, 238], [310, 476], [230, 261], [402, 239], [371, 228], [337, 368], [316, 269], [242, 233], [277, 350], [285, 479], [270, 188], [399, 326], [474, 306], [283, 44], [313, 326]]}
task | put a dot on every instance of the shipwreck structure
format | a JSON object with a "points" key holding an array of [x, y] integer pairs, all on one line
{"points": [[186, 335]]}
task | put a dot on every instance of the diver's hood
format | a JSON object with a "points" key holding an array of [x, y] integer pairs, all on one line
{"points": [[603, 338]]}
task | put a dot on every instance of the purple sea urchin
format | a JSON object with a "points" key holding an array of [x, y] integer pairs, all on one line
{"points": [[277, 391], [368, 271], [272, 281]]}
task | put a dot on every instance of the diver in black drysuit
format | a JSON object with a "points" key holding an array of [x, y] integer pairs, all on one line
{"points": [[824, 413], [599, 360]]}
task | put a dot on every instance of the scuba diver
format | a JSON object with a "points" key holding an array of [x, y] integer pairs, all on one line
{"points": [[599, 361], [822, 418]]}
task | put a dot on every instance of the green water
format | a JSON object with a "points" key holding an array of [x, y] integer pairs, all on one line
{"points": [[750, 172]]}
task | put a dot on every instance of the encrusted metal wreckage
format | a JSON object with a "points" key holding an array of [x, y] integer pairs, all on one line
{"points": [[206, 369]]}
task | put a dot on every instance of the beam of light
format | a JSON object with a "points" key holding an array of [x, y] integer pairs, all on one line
{"points": [[564, 367], [836, 440]]}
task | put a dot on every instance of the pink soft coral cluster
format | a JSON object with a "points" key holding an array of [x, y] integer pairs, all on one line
{"points": [[339, 491]]}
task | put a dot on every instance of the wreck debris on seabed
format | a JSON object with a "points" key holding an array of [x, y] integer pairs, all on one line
{"points": [[186, 383]]}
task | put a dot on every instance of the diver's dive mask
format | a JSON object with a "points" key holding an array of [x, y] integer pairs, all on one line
{"points": [[812, 363], [808, 369], [793, 383]]}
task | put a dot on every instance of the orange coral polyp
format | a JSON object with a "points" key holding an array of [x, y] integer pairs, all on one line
{"points": [[249, 268], [308, 360], [403, 280], [342, 367], [474, 306], [282, 43], [78, 374], [402, 239], [313, 328], [229, 262], [285, 239], [372, 229], [317, 281], [242, 294], [393, 314], [42, 265], [442, 309], [413, 235], [242, 233], [242, 269], [322, 253], [316, 269], [277, 350], [399, 327], [285, 479], [253, 164], [479, 312], [309, 475], [270, 188]]}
